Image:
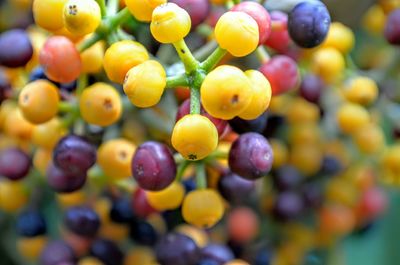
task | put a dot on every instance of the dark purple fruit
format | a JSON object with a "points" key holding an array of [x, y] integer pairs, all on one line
{"points": [[56, 253], [288, 206], [5, 86], [153, 166], [198, 10], [30, 224], [177, 249], [243, 126], [14, 163], [74, 154], [15, 48], [143, 233], [287, 178], [121, 211], [392, 27], [308, 23], [312, 195], [107, 252], [64, 182], [311, 88], [218, 253], [251, 156], [235, 188], [82, 220]]}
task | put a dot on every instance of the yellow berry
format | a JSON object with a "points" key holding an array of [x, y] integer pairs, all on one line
{"points": [[140, 255], [328, 63], [90, 261], [121, 57], [374, 20], [48, 14], [81, 17], [114, 157], [142, 9], [170, 23], [307, 158], [92, 58], [301, 111], [237, 32], [46, 135], [226, 92], [17, 126], [340, 37], [167, 199], [203, 208], [12, 195], [75, 198], [42, 159], [369, 139], [351, 117], [361, 90], [280, 151], [38, 101], [261, 95], [198, 235], [145, 83], [100, 104], [194, 137], [31, 247]]}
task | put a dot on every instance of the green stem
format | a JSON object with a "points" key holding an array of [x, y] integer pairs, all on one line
{"points": [[102, 5], [236, 2], [181, 169], [177, 80], [119, 18], [202, 53], [350, 63], [186, 56], [112, 7], [89, 42], [122, 35], [194, 100], [213, 59], [66, 106], [82, 84], [229, 4], [262, 54], [201, 180]]}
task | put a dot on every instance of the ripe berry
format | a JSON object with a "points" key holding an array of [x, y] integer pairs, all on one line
{"points": [[82, 220], [153, 166], [260, 15], [177, 249], [141, 204], [203, 208], [287, 178], [169, 23], [145, 83], [81, 17], [121, 211], [237, 32], [31, 224], [142, 10], [279, 39], [47, 135], [194, 137], [243, 225], [392, 32], [57, 252], [14, 163], [13, 196], [311, 88], [48, 14], [351, 117], [234, 188], [74, 154], [15, 48], [361, 90], [288, 206], [309, 23], [217, 253], [60, 59], [198, 10], [34, 96], [282, 74], [63, 181], [328, 63], [226, 92], [340, 37], [167, 199], [251, 156], [107, 251], [100, 104], [143, 233], [243, 126]]}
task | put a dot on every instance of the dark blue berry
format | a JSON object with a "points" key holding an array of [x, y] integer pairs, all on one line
{"points": [[30, 224]]}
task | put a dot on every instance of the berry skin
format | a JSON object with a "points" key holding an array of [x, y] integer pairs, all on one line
{"points": [[282, 74], [251, 156], [140, 204], [217, 253], [31, 247], [13, 196], [311, 88], [168, 199], [261, 95], [243, 225], [203, 208], [361, 90], [369, 139], [63, 181], [121, 211], [242, 126], [328, 63], [100, 104], [351, 117], [308, 23], [17, 126], [34, 96], [153, 166], [60, 59], [82, 220], [145, 83], [169, 23], [287, 178], [31, 224], [142, 9], [198, 10], [14, 163], [92, 58], [57, 252], [74, 154], [340, 37], [234, 188], [177, 249], [391, 31], [47, 135], [81, 17], [114, 157], [237, 32], [48, 14], [288, 206], [279, 38], [307, 158], [194, 137], [121, 56], [107, 252], [226, 92], [260, 15], [15, 48]]}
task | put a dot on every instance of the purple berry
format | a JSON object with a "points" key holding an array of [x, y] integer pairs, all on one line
{"points": [[82, 220], [392, 27], [288, 206], [251, 156], [30, 224], [15, 48], [235, 188], [287, 178], [107, 252], [153, 166], [218, 253], [64, 182], [198, 10], [311, 88], [14, 163], [56, 253]]}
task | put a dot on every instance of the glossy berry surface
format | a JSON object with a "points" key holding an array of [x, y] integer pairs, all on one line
{"points": [[31, 223], [82, 220], [308, 23], [217, 253], [251, 156], [15, 48], [153, 166], [64, 181], [391, 32], [14, 163], [279, 38]]}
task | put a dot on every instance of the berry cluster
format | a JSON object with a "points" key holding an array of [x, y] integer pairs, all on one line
{"points": [[262, 140]]}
